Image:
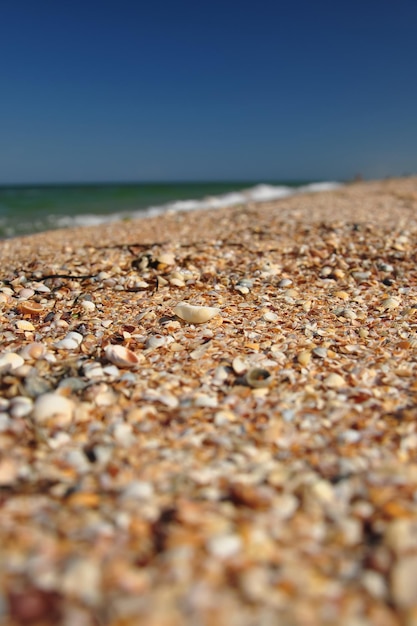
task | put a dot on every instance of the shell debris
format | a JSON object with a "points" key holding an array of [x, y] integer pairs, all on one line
{"points": [[227, 472]]}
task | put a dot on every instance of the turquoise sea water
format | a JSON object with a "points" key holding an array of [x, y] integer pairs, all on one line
{"points": [[29, 209]]}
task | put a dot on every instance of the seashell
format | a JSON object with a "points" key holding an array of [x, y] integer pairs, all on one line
{"points": [[93, 371], [24, 325], [87, 305], [258, 377], [304, 357], [269, 316], [70, 342], [320, 352], [195, 314], [30, 308], [26, 293], [165, 258], [53, 405], [334, 381], [177, 282], [21, 406], [121, 356], [348, 314], [10, 361], [390, 303], [155, 341], [285, 282], [40, 288], [242, 289], [239, 366], [34, 350]]}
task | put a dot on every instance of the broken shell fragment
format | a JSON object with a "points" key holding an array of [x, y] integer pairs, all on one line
{"points": [[258, 377], [121, 356], [30, 308], [195, 314]]}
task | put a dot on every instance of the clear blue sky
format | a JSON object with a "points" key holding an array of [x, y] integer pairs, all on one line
{"points": [[207, 89]]}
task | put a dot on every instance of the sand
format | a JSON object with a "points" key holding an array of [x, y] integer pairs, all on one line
{"points": [[255, 469]]}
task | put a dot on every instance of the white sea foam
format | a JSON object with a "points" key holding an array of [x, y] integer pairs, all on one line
{"points": [[259, 193]]}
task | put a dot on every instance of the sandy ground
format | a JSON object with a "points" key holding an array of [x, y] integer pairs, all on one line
{"points": [[255, 469]]}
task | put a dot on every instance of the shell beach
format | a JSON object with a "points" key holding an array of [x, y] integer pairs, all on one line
{"points": [[210, 418]]}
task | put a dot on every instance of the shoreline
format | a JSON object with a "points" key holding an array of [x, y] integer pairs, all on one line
{"points": [[256, 467]]}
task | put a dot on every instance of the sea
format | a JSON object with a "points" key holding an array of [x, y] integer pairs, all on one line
{"points": [[28, 209]]}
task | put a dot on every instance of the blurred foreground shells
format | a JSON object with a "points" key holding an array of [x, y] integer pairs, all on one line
{"points": [[10, 361], [195, 314], [53, 405], [121, 356]]}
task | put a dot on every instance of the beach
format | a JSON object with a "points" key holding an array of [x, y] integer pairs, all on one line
{"points": [[248, 462]]}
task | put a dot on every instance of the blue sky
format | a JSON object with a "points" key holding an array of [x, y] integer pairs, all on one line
{"points": [[207, 90]]}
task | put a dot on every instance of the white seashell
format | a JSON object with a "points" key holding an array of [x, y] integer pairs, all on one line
{"points": [[121, 356], [390, 303], [269, 316], [21, 406], [41, 288], [70, 342], [155, 341], [334, 381], [177, 282], [87, 305], [93, 371], [239, 365], [53, 405], [34, 350], [195, 314], [10, 361], [26, 293], [24, 325], [166, 258]]}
